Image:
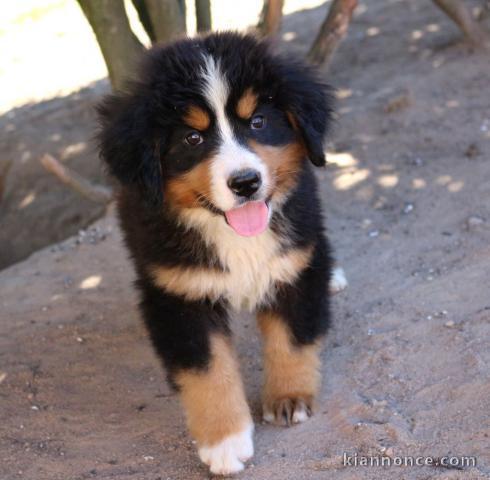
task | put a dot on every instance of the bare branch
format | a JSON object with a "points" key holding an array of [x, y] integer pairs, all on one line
{"points": [[144, 16], [271, 17], [457, 11], [332, 31], [4, 170], [96, 193]]}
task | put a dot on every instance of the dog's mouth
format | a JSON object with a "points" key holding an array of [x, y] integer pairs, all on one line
{"points": [[248, 220]]}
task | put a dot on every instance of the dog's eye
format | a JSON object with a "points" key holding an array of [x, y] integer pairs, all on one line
{"points": [[193, 139], [257, 122]]}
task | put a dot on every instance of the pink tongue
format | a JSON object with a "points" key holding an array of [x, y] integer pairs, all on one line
{"points": [[249, 219]]}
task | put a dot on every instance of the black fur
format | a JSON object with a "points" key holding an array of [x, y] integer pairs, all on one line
{"points": [[140, 142]]}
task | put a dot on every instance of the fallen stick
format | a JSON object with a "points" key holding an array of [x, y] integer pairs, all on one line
{"points": [[96, 193], [4, 170]]}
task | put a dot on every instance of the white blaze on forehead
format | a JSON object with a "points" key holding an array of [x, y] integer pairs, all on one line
{"points": [[231, 156], [216, 92]]}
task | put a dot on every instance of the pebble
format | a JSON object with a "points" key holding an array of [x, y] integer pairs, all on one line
{"points": [[474, 222], [472, 151], [373, 233], [449, 324], [408, 208], [399, 102]]}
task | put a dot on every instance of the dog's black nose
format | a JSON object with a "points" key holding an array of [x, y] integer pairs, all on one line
{"points": [[245, 182]]}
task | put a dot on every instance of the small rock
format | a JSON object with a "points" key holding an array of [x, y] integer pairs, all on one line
{"points": [[408, 208], [472, 151], [380, 203], [399, 102], [449, 324], [80, 340], [373, 233], [3, 376], [366, 223], [474, 222], [389, 452]]}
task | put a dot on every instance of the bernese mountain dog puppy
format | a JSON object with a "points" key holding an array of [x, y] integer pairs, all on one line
{"points": [[212, 148]]}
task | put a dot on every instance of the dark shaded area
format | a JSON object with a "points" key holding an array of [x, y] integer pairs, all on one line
{"points": [[37, 210]]}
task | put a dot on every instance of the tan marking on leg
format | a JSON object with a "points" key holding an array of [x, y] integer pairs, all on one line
{"points": [[197, 118], [184, 190], [292, 373], [283, 163], [214, 399], [247, 104]]}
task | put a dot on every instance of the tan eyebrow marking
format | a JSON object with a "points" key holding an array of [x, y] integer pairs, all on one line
{"points": [[197, 118], [247, 104]]}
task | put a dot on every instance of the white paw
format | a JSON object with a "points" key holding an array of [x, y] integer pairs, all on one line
{"points": [[300, 414], [227, 456], [338, 281]]}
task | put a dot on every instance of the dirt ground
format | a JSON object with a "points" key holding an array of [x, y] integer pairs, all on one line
{"points": [[407, 362]]}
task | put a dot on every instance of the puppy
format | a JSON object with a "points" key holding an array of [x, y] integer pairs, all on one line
{"points": [[212, 149]]}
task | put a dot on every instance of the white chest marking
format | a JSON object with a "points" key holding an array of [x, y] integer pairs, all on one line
{"points": [[254, 265]]}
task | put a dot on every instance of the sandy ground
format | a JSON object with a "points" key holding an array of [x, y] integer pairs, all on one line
{"points": [[407, 363]]}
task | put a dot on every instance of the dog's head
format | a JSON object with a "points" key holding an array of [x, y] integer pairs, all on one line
{"points": [[217, 123]]}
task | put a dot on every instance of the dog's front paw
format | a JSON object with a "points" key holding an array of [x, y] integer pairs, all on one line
{"points": [[228, 455], [288, 410]]}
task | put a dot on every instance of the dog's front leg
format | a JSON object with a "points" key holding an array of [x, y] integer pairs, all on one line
{"points": [[292, 329], [194, 342]]}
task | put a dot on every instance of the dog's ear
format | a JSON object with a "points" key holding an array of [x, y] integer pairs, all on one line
{"points": [[308, 104], [127, 146]]}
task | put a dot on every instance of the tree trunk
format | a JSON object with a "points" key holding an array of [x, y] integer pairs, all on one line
{"points": [[457, 11], [144, 16], [119, 45], [167, 18], [271, 17], [203, 15], [332, 31]]}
